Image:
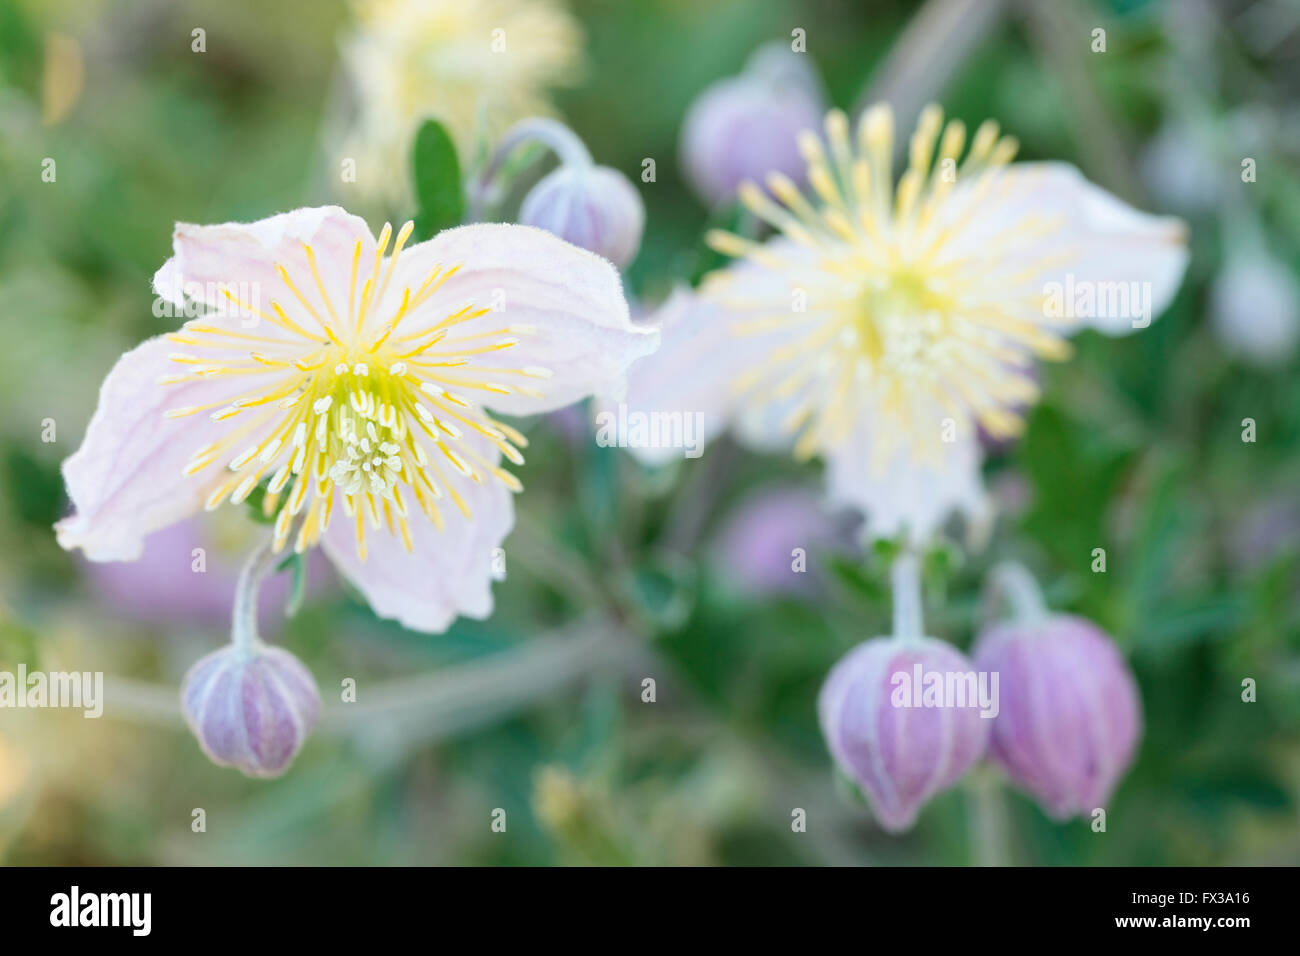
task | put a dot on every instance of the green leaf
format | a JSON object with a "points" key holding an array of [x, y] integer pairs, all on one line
{"points": [[848, 789], [298, 566], [254, 503], [850, 573], [438, 189], [19, 644], [663, 586]]}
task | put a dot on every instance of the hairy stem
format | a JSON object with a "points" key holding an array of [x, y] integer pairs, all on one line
{"points": [[905, 581], [1011, 582], [243, 631]]}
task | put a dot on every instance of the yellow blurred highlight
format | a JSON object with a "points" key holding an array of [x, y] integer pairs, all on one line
{"points": [[14, 770], [64, 78]]}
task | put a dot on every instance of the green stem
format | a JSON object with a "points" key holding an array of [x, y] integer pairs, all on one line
{"points": [[988, 819]]}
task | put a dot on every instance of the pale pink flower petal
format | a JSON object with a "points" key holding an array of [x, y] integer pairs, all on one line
{"points": [[126, 479], [449, 572], [907, 494], [243, 257], [706, 348], [1056, 233], [690, 374], [563, 306]]}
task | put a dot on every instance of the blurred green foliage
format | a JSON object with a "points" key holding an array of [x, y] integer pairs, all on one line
{"points": [[1135, 448]]}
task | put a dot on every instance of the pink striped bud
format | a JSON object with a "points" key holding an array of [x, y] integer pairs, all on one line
{"points": [[902, 717], [1071, 716], [251, 707], [594, 207], [747, 126]]}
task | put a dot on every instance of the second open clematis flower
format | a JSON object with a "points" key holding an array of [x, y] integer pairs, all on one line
{"points": [[358, 382], [881, 324]]}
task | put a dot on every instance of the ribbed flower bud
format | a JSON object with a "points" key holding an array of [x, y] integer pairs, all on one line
{"points": [[250, 708], [594, 207], [746, 126], [891, 724], [1255, 307], [1070, 715], [250, 705]]}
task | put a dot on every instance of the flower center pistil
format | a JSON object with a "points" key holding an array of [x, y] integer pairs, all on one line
{"points": [[369, 412]]}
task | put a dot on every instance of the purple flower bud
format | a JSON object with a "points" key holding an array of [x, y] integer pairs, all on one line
{"points": [[594, 207], [1255, 307], [250, 708], [773, 543], [1180, 169], [901, 746], [1070, 715], [744, 127]]}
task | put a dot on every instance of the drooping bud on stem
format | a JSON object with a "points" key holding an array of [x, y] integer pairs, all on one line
{"points": [[594, 207], [1070, 715], [250, 705], [886, 716]]}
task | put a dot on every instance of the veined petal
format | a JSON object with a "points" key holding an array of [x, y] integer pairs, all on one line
{"points": [[907, 493], [243, 257], [556, 327], [447, 573], [1096, 261], [713, 346], [933, 293], [688, 375], [127, 479]]}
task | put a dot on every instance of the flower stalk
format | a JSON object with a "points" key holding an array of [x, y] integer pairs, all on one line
{"points": [[1012, 582], [555, 136], [243, 629], [905, 582]]}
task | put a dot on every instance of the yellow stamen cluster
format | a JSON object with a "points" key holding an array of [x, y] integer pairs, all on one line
{"points": [[352, 404], [881, 313]]}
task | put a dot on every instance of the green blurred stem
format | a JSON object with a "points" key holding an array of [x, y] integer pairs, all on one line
{"points": [[988, 819], [552, 134], [698, 502], [444, 702], [931, 50], [437, 704], [1055, 30], [1011, 581]]}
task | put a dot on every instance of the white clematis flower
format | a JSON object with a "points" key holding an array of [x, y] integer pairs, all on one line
{"points": [[358, 385], [882, 324], [476, 67]]}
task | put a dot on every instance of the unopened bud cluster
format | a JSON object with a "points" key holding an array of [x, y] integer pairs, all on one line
{"points": [[1048, 697]]}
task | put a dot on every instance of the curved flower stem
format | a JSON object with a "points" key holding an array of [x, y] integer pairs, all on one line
{"points": [[940, 37], [1012, 581], [550, 133], [561, 140], [905, 581], [988, 819], [243, 630]]}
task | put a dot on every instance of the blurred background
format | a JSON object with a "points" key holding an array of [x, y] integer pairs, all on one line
{"points": [[618, 573]]}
